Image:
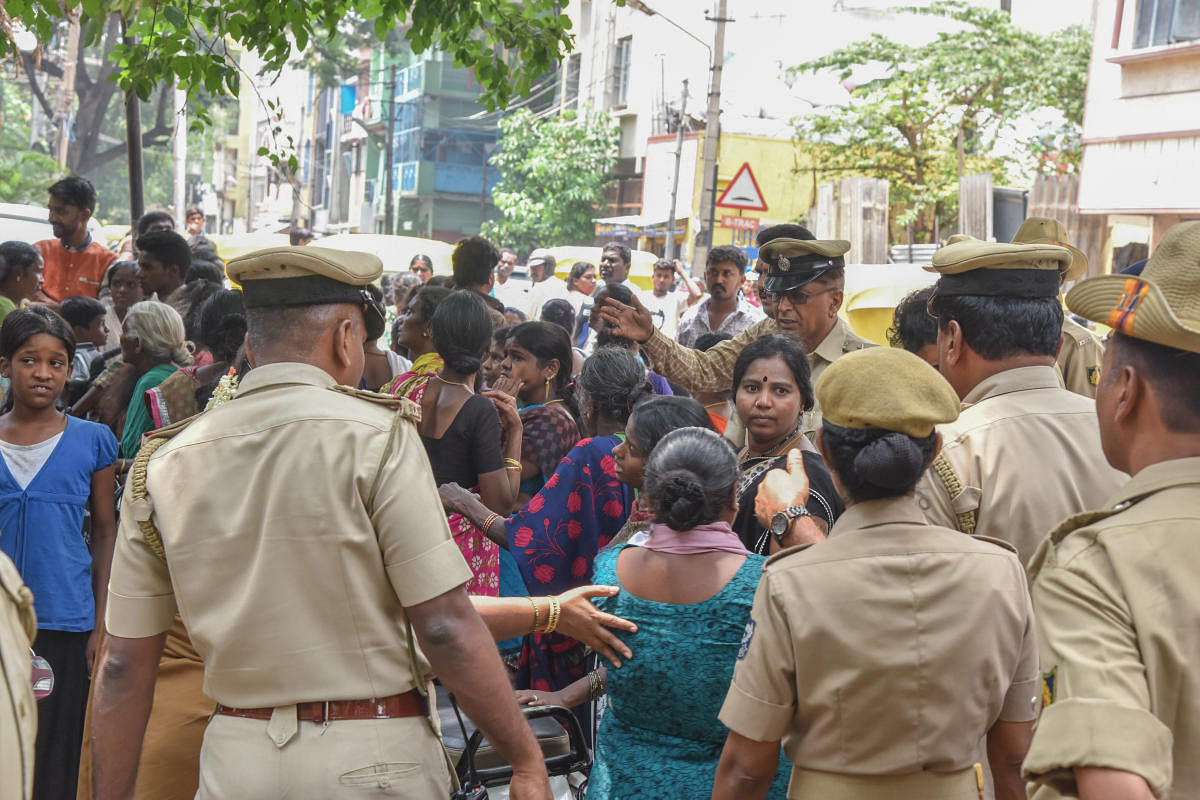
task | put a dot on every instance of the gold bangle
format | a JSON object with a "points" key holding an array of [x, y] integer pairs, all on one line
{"points": [[536, 616], [512, 463], [555, 610], [487, 522], [514, 469]]}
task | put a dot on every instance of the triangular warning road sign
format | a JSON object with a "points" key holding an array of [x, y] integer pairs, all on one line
{"points": [[743, 192]]}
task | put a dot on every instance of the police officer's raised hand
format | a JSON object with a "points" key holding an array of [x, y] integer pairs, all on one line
{"points": [[629, 321], [581, 620]]}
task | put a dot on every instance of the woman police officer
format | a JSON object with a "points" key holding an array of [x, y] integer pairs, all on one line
{"points": [[883, 656]]}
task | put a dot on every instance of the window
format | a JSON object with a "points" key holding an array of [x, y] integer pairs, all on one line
{"points": [[1161, 22], [620, 72], [571, 82]]}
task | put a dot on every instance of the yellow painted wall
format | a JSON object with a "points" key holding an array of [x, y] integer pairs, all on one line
{"points": [[788, 193]]}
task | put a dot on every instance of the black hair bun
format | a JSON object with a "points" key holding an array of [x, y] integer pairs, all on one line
{"points": [[892, 461], [682, 500]]}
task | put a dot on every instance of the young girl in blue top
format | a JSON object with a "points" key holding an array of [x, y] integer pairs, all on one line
{"points": [[53, 469]]}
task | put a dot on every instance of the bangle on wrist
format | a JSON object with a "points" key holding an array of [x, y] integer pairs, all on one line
{"points": [[536, 615], [552, 619], [487, 522]]}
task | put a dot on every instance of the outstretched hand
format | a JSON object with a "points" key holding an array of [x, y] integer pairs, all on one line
{"points": [[581, 620], [629, 321], [454, 497]]}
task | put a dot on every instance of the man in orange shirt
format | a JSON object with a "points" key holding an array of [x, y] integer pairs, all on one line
{"points": [[74, 264]]}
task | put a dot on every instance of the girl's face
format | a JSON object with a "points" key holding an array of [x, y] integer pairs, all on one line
{"points": [[768, 401], [30, 281], [413, 329], [491, 364], [587, 282], [631, 461], [126, 289], [421, 269], [38, 370], [521, 365]]}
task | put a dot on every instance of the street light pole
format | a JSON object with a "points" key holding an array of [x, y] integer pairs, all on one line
{"points": [[389, 188], [712, 140], [670, 249]]}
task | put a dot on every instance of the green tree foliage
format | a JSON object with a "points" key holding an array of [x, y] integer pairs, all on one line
{"points": [[507, 43], [940, 108], [26, 173], [552, 177]]}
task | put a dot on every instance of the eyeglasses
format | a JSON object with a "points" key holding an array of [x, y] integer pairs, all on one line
{"points": [[799, 297]]}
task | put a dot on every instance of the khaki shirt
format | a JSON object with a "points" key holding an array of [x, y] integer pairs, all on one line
{"points": [[712, 370], [1117, 601], [891, 647], [1027, 452], [18, 709], [298, 522], [1079, 358]]}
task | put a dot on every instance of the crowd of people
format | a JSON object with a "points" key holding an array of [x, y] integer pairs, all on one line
{"points": [[754, 553]]}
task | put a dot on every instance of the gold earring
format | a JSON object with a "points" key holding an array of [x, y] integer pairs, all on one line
{"points": [[546, 396]]}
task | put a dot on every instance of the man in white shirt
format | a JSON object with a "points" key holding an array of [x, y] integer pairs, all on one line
{"points": [[725, 310], [614, 266], [665, 302], [509, 292], [544, 285]]}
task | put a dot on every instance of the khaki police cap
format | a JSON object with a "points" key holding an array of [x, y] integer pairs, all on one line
{"points": [[794, 262], [886, 388], [1162, 305], [304, 275], [1044, 230], [990, 269]]}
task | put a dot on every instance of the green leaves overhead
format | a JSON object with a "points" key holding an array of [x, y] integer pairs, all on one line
{"points": [[553, 173], [508, 44], [940, 109]]}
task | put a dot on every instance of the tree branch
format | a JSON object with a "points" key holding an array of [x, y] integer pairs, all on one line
{"points": [[27, 64]]}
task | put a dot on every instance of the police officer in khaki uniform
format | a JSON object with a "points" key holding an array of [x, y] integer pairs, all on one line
{"points": [[18, 710], [882, 656], [807, 276], [1079, 356], [1024, 452], [298, 531], [1116, 590]]}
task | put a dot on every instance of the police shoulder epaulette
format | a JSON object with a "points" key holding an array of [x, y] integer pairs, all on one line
{"points": [[999, 542], [784, 553], [407, 408], [139, 504]]}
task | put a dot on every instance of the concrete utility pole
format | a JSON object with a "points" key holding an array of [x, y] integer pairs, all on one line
{"points": [[712, 140], [670, 251], [180, 153], [389, 222]]}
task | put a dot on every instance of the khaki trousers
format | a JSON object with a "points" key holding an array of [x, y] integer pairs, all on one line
{"points": [[809, 784], [348, 759]]}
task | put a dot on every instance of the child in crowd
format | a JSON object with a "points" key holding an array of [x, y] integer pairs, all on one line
{"points": [[53, 468], [85, 315]]}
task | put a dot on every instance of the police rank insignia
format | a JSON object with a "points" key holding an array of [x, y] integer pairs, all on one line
{"points": [[1093, 376], [747, 636], [1049, 686]]}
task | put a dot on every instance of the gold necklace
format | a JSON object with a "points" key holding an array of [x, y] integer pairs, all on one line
{"points": [[453, 383], [771, 452]]}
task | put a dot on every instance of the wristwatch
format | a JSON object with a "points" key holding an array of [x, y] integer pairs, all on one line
{"points": [[782, 520]]}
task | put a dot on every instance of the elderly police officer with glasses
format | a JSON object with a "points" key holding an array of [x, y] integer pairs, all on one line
{"points": [[805, 275]]}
